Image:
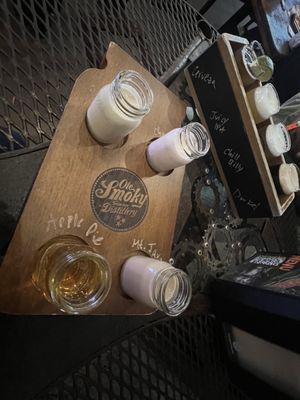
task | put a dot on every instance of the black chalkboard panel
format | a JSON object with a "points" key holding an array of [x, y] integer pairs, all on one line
{"points": [[214, 93]]}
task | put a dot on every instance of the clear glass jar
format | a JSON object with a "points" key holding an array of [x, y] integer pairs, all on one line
{"points": [[178, 147], [263, 68], [246, 59], [264, 102], [278, 139], [156, 284], [119, 107], [71, 275], [254, 64], [286, 178]]}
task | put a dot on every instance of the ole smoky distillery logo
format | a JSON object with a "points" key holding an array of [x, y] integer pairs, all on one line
{"points": [[119, 199]]}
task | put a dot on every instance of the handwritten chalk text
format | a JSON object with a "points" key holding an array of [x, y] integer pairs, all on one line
{"points": [[233, 160], [237, 194], [220, 121], [158, 132], [204, 76], [149, 248], [72, 222]]}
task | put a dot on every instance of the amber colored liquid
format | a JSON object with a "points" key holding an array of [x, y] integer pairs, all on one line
{"points": [[80, 281], [70, 274]]}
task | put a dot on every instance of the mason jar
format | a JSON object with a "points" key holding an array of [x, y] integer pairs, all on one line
{"points": [[178, 147], [119, 107], [277, 139], [265, 68], [254, 64], [247, 60], [264, 102], [71, 275], [156, 284], [286, 178]]}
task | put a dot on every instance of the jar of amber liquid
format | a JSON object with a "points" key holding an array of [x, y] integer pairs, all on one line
{"points": [[71, 275]]}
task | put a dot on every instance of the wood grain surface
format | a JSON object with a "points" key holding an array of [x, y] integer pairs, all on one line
{"points": [[59, 202]]}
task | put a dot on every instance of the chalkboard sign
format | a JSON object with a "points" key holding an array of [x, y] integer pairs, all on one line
{"points": [[213, 91]]}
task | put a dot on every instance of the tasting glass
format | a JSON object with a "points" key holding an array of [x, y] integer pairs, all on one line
{"points": [[156, 284], [119, 107], [253, 64], [71, 275], [278, 139], [264, 102], [286, 178], [178, 147]]}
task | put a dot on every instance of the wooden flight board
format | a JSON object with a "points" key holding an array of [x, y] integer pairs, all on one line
{"points": [[64, 197], [237, 142]]}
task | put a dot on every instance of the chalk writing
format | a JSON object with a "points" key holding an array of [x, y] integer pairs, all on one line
{"points": [[92, 232], [204, 76], [233, 160], [220, 121], [237, 194], [72, 222], [158, 131], [149, 248]]}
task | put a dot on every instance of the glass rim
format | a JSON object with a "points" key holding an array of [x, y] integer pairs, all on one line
{"points": [[259, 94], [67, 260], [175, 306], [270, 135], [256, 45], [141, 87], [200, 133], [247, 48], [289, 165], [283, 167]]}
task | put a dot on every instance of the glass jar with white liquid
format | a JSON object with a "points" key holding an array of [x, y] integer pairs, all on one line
{"points": [[156, 284], [119, 107], [178, 147], [286, 178], [278, 139], [264, 102]]}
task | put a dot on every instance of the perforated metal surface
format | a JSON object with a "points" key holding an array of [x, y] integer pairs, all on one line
{"points": [[285, 229], [46, 44], [178, 359]]}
